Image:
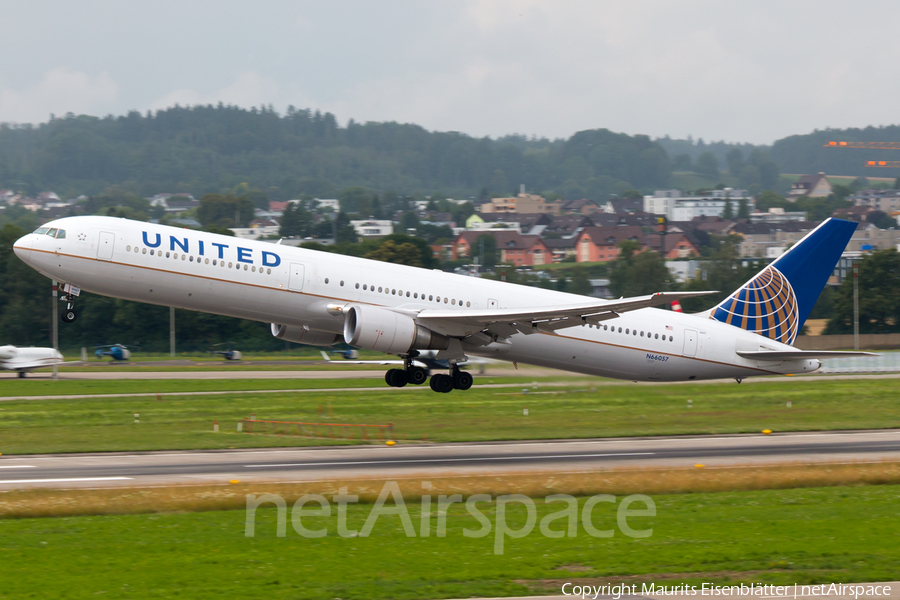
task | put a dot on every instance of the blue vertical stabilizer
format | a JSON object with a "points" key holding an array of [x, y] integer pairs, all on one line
{"points": [[778, 300]]}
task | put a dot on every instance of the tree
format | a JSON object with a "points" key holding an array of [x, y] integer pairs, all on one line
{"points": [[295, 221], [401, 254], [735, 159], [637, 273], [770, 199], [580, 283], [729, 211], [707, 165], [743, 209], [224, 211], [682, 162], [485, 249], [879, 296]]}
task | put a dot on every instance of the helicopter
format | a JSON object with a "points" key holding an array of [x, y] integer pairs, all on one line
{"points": [[117, 352], [230, 353]]}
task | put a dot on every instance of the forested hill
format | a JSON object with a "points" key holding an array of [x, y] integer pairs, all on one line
{"points": [[207, 149], [808, 154]]}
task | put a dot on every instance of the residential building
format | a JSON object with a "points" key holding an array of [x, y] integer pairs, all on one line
{"points": [[887, 201], [328, 203], [601, 244], [814, 186], [523, 203], [515, 249], [675, 207], [372, 228], [777, 215]]}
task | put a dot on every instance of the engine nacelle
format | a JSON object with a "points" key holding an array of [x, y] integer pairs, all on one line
{"points": [[375, 328], [7, 352], [300, 335]]}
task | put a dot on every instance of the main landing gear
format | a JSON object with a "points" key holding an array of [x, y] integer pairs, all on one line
{"points": [[456, 380]]}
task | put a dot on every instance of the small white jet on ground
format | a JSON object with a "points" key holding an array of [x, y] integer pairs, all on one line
{"points": [[27, 359]]}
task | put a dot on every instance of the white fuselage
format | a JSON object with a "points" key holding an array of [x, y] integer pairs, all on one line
{"points": [[26, 359], [271, 283]]}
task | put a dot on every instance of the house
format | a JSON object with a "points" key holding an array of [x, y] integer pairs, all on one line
{"points": [[328, 203], [370, 228], [174, 203], [581, 207], [523, 203], [601, 244], [515, 249], [854, 213], [560, 248], [777, 215], [887, 201], [624, 206], [677, 245], [814, 186]]}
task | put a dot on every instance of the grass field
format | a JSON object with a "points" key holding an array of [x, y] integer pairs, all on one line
{"points": [[780, 536], [179, 422]]}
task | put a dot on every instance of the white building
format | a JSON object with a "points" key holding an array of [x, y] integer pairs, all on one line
{"points": [[676, 207], [331, 203], [372, 228], [777, 215]]}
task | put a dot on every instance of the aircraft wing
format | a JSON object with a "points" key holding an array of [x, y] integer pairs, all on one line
{"points": [[800, 354], [504, 322]]}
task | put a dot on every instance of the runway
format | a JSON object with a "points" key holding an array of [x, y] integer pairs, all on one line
{"points": [[405, 460]]}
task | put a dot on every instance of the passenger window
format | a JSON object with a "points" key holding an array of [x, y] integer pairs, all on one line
{"points": [[268, 271], [379, 289], [144, 251], [127, 248], [430, 298], [151, 253], [656, 336], [642, 334], [326, 280], [407, 294], [468, 304], [357, 286], [342, 283], [670, 338], [620, 330], [192, 259], [627, 331]]}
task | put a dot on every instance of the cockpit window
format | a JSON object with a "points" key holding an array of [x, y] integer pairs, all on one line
{"points": [[61, 234], [52, 233], [41, 230]]}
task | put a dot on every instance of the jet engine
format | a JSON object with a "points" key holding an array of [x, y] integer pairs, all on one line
{"points": [[375, 328], [301, 335], [7, 352]]}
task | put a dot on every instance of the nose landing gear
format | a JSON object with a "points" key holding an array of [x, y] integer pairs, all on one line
{"points": [[68, 315]]}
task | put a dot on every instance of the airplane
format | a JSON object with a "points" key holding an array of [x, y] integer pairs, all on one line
{"points": [[117, 352], [27, 359], [229, 354], [319, 299]]}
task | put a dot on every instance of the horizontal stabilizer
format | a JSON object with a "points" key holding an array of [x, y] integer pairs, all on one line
{"points": [[801, 354]]}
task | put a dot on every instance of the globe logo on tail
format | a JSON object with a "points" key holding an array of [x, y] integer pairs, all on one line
{"points": [[765, 305]]}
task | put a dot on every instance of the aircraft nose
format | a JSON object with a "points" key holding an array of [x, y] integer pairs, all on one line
{"points": [[22, 247]]}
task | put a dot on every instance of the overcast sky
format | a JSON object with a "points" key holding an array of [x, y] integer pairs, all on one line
{"points": [[735, 71]]}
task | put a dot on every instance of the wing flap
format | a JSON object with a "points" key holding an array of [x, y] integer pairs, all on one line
{"points": [[546, 318]]}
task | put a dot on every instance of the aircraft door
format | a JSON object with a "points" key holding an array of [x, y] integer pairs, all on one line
{"points": [[690, 342], [298, 272], [105, 245]]}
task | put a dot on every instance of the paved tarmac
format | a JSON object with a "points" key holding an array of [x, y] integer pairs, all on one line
{"points": [[405, 460]]}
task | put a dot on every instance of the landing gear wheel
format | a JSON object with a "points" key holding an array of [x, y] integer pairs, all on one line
{"points": [[442, 383], [68, 316], [462, 380], [21, 374], [395, 378], [417, 375]]}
